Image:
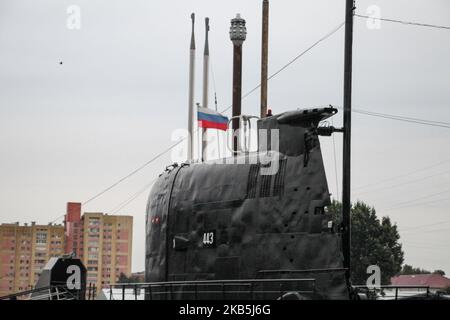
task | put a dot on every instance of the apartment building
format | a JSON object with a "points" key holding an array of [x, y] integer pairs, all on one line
{"points": [[24, 251], [103, 242], [73, 229]]}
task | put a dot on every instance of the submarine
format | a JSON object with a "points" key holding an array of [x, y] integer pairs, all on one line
{"points": [[216, 221], [254, 225]]}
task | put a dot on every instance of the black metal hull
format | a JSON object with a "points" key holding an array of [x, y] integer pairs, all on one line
{"points": [[232, 221]]}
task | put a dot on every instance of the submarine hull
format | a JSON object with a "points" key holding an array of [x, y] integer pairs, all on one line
{"points": [[258, 219]]}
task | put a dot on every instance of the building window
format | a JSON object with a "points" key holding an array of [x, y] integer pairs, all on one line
{"points": [[41, 237]]}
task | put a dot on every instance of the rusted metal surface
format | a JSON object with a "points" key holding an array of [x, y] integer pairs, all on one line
{"points": [[264, 56]]}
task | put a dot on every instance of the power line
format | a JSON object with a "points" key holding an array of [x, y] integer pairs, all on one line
{"points": [[134, 171], [419, 24], [417, 204], [435, 230], [419, 245], [427, 248], [439, 261], [402, 175], [421, 198], [329, 34], [402, 118], [61, 216], [425, 225], [133, 197], [425, 243], [404, 183], [243, 97]]}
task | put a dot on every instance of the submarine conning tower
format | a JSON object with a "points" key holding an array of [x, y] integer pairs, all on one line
{"points": [[229, 219]]}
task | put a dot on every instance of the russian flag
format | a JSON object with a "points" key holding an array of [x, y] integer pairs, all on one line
{"points": [[208, 118]]}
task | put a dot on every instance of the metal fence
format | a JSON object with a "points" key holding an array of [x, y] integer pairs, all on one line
{"points": [[393, 292], [54, 292], [254, 289]]}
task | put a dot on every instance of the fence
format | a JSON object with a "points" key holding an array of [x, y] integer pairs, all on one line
{"points": [[393, 292], [254, 289], [54, 292]]}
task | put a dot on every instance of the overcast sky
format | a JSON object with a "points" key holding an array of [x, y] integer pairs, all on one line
{"points": [[69, 130]]}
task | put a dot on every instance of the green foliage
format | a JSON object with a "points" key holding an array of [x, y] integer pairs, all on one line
{"points": [[373, 242], [407, 269], [441, 272]]}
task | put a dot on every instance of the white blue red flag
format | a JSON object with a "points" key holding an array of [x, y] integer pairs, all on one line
{"points": [[208, 118]]}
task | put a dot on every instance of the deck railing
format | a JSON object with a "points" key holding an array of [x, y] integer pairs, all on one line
{"points": [[254, 289], [392, 292]]}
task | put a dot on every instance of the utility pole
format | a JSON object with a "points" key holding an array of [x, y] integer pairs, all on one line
{"points": [[264, 56], [238, 33], [346, 201]]}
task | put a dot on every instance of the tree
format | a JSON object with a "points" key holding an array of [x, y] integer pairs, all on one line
{"points": [[407, 270], [441, 272], [373, 242]]}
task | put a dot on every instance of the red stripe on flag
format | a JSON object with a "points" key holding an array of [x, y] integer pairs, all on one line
{"points": [[212, 125]]}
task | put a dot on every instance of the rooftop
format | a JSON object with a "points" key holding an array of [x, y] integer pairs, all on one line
{"points": [[432, 280]]}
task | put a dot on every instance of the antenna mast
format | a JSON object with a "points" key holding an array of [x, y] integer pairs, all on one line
{"points": [[264, 56]]}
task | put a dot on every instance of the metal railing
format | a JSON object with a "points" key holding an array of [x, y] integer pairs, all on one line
{"points": [[91, 291], [57, 291], [245, 289], [393, 292], [297, 271], [44, 293]]}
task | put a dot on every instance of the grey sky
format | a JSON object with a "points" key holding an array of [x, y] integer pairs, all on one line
{"points": [[68, 131]]}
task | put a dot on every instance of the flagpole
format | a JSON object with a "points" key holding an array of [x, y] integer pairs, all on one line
{"points": [[190, 154], [205, 87]]}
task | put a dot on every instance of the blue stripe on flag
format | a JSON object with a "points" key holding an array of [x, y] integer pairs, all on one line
{"points": [[211, 117]]}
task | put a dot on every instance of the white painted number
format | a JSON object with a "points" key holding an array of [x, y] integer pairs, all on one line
{"points": [[208, 238]]}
